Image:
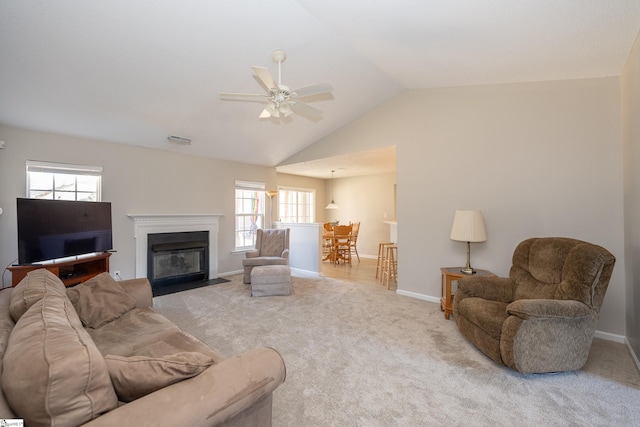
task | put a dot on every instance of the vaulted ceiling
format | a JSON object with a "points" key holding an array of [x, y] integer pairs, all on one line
{"points": [[135, 72]]}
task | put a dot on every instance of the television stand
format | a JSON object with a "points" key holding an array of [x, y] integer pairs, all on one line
{"points": [[71, 271]]}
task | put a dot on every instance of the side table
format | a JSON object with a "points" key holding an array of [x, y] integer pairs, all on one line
{"points": [[449, 275]]}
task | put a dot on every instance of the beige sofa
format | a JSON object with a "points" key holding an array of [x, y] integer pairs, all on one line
{"points": [[98, 354]]}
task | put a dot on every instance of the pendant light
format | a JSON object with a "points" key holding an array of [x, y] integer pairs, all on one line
{"points": [[333, 204]]}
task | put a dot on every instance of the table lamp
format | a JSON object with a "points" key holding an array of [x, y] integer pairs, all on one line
{"points": [[468, 226]]}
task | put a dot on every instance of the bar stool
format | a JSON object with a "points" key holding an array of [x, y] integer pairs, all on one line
{"points": [[381, 255], [390, 266]]}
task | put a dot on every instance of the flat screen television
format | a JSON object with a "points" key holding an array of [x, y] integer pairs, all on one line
{"points": [[52, 229]]}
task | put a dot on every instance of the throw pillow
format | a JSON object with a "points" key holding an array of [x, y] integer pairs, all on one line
{"points": [[100, 300], [137, 376], [53, 373], [33, 288]]}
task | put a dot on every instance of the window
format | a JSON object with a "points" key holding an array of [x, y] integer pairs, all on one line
{"points": [[58, 181], [250, 200], [296, 205]]}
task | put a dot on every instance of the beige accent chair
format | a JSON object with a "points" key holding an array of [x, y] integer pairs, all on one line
{"points": [[272, 248], [542, 317]]}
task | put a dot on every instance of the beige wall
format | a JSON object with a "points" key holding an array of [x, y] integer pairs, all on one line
{"points": [[540, 159], [136, 181], [630, 89]]}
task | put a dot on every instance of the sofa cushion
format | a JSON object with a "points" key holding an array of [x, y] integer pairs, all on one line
{"points": [[32, 288], [485, 314], [137, 376], [145, 332], [53, 372], [100, 300]]}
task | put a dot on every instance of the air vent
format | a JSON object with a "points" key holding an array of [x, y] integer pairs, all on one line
{"points": [[179, 140]]}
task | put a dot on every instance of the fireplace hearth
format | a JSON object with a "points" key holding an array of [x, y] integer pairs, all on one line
{"points": [[177, 257]]}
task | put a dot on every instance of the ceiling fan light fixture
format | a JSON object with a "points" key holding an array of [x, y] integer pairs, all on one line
{"points": [[271, 110], [265, 114], [285, 109]]}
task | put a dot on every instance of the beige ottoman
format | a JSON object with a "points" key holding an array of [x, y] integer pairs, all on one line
{"points": [[270, 280]]}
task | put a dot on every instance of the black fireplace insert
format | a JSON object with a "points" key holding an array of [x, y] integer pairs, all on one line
{"points": [[180, 257]]}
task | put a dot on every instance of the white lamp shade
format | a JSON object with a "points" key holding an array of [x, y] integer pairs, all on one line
{"points": [[332, 205], [468, 226]]}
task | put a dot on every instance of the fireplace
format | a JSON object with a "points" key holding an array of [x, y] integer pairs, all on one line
{"points": [[178, 257], [146, 225]]}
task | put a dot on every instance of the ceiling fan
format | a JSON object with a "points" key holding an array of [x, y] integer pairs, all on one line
{"points": [[281, 100]]}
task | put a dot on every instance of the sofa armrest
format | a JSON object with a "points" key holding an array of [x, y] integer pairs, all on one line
{"points": [[216, 395], [543, 335], [548, 308], [487, 287], [254, 253], [140, 290], [285, 254]]}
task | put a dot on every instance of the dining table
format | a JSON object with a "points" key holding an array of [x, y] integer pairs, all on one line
{"points": [[335, 241]]}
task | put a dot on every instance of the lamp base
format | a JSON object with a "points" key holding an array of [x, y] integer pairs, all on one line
{"points": [[468, 269]]}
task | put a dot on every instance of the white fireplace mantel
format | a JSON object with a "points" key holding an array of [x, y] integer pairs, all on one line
{"points": [[143, 225]]}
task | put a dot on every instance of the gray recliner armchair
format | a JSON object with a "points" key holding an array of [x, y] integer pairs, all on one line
{"points": [[272, 248], [542, 317]]}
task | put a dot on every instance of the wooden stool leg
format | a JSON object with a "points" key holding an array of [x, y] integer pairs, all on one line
{"points": [[388, 265], [391, 265], [380, 262], [383, 264]]}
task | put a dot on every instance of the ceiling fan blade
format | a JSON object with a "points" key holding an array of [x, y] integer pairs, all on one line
{"points": [[315, 89], [244, 96], [305, 110], [265, 77]]}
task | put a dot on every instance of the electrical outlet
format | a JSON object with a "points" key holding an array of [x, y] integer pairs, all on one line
{"points": [[116, 275]]}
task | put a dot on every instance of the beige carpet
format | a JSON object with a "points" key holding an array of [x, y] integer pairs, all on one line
{"points": [[359, 355]]}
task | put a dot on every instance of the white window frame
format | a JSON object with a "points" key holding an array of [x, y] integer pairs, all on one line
{"points": [[282, 205], [245, 237], [66, 169]]}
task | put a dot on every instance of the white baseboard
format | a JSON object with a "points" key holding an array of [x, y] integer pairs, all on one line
{"points": [[633, 354], [230, 273], [610, 337], [305, 273], [418, 296]]}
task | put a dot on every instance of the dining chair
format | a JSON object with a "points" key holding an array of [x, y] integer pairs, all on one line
{"points": [[342, 249], [327, 242], [353, 242]]}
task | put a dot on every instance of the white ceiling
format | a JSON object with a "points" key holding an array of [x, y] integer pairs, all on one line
{"points": [[135, 72]]}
